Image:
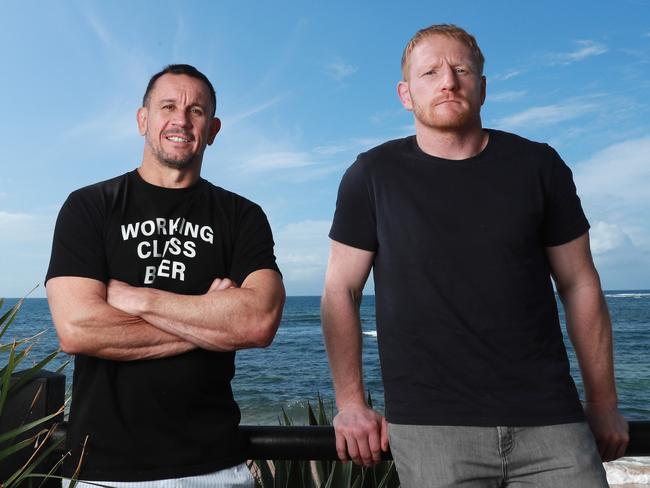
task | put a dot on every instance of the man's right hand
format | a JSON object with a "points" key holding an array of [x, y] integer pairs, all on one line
{"points": [[362, 434], [222, 284]]}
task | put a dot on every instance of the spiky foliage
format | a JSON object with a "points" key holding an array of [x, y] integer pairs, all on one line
{"points": [[35, 439], [323, 473]]}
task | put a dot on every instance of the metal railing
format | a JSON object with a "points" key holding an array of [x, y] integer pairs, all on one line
{"points": [[318, 443], [292, 442]]}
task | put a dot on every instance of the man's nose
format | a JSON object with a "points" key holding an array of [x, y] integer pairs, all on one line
{"points": [[181, 118], [449, 78]]}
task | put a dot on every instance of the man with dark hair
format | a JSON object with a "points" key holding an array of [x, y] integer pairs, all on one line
{"points": [[156, 278], [181, 69], [463, 228]]}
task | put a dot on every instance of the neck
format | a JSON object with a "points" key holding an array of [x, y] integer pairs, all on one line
{"points": [[156, 173], [452, 144]]}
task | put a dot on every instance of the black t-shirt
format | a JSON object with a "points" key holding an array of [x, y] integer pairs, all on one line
{"points": [[467, 321], [175, 416]]}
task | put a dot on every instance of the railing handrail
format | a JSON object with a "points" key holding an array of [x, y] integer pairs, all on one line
{"points": [[304, 443], [273, 442], [311, 443]]}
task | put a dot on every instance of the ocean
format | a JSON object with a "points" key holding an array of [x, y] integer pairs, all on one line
{"points": [[294, 369]]}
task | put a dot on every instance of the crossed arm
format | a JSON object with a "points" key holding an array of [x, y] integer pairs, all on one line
{"points": [[121, 322], [590, 330], [361, 432]]}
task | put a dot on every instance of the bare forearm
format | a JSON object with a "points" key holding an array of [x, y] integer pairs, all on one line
{"points": [[105, 332], [590, 330], [223, 319], [342, 332], [233, 321]]}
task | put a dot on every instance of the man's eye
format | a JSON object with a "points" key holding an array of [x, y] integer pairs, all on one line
{"points": [[430, 72], [461, 71], [197, 111], [168, 107]]}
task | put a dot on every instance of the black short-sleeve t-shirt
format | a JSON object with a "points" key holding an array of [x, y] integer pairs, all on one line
{"points": [[169, 417], [467, 321]]}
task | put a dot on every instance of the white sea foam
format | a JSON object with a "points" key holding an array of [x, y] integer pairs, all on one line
{"points": [[627, 295], [370, 333], [628, 470]]}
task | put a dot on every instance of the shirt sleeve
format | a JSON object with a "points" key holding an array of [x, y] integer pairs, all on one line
{"points": [[564, 219], [355, 219], [78, 245], [253, 244]]}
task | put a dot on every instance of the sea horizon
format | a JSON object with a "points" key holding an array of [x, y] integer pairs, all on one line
{"points": [[608, 290]]}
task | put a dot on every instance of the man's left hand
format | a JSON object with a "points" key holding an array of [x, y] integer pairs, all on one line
{"points": [[609, 428]]}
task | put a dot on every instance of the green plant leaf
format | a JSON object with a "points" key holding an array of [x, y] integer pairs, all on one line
{"points": [[26, 427], [322, 416], [294, 478], [281, 477], [9, 315], [341, 475], [61, 368], [263, 476], [306, 476], [286, 420], [29, 374], [311, 418], [323, 470], [18, 446], [390, 479], [20, 475], [6, 378]]}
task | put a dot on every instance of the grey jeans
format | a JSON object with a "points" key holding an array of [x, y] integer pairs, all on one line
{"points": [[551, 456]]}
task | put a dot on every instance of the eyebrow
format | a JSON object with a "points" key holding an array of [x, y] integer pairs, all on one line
{"points": [[165, 101]]}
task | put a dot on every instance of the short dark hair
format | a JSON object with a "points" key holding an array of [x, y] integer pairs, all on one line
{"points": [[181, 69]]}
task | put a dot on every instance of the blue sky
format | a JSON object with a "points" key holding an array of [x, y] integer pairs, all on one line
{"points": [[302, 88]]}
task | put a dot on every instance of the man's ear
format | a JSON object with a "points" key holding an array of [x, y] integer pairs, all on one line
{"points": [[214, 129], [141, 115], [404, 95]]}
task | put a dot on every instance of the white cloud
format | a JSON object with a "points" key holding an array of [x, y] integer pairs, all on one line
{"points": [[546, 115], [508, 96], [352, 145], [279, 160], [382, 116], [511, 73], [339, 70], [606, 237], [7, 219], [287, 162], [302, 249], [99, 29], [237, 118], [620, 172], [613, 186], [24, 251], [586, 49], [24, 227], [116, 125]]}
